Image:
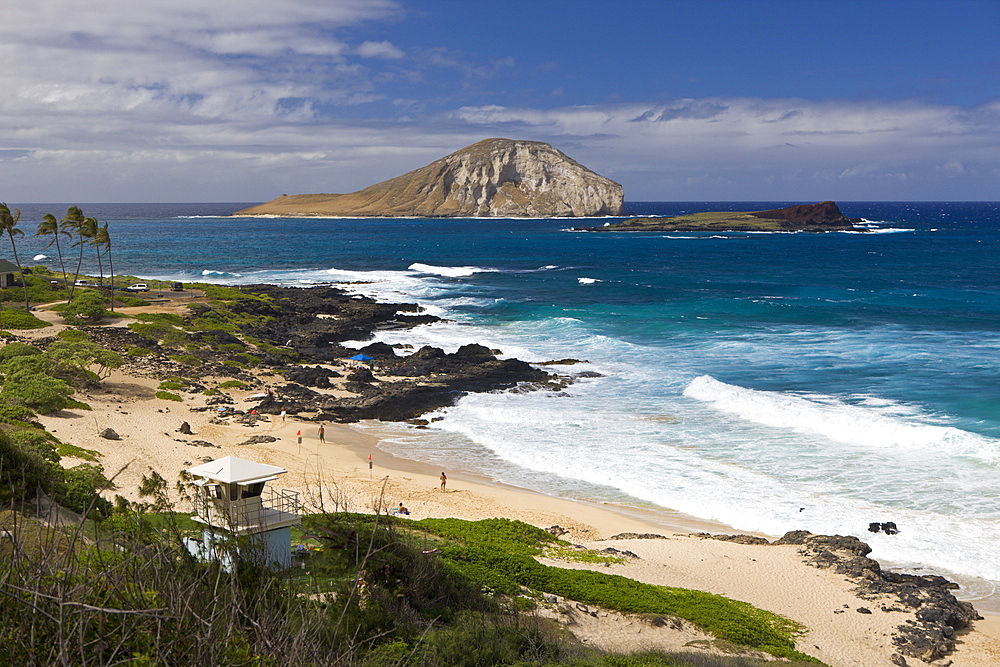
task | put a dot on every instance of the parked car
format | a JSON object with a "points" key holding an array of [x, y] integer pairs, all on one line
{"points": [[177, 287], [138, 287], [83, 283]]}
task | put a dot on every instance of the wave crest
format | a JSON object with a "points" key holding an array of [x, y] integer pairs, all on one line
{"points": [[858, 425], [449, 271]]}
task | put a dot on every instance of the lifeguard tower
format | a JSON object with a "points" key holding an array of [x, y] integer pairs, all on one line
{"points": [[233, 500]]}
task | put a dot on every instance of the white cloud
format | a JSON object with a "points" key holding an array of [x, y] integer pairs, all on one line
{"points": [[379, 50], [741, 140], [245, 99]]}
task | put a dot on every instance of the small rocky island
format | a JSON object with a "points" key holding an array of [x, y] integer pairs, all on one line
{"points": [[822, 217], [500, 178]]}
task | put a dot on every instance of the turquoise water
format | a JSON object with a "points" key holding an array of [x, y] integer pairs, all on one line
{"points": [[768, 381]]}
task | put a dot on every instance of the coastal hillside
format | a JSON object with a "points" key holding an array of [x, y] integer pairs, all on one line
{"points": [[492, 178], [822, 217]]}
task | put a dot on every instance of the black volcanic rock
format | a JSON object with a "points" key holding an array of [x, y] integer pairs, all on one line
{"points": [[823, 213]]}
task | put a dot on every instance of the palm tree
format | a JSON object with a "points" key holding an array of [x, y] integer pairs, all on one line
{"points": [[85, 231], [103, 238], [71, 223], [49, 225], [90, 232], [8, 223]]}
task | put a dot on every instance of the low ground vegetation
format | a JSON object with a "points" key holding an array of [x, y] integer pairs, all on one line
{"points": [[373, 592]]}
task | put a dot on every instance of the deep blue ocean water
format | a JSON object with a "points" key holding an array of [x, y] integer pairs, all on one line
{"points": [[768, 381]]}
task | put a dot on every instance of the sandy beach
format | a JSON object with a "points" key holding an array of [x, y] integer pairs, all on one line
{"points": [[335, 475]]}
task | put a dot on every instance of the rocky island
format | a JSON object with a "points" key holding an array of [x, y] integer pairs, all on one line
{"points": [[501, 178], [822, 217]]}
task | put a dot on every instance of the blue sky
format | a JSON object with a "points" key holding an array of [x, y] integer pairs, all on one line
{"points": [[243, 100]]}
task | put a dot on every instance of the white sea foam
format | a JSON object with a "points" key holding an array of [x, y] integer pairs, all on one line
{"points": [[208, 273], [864, 426], [449, 271], [38, 258], [636, 436], [588, 281]]}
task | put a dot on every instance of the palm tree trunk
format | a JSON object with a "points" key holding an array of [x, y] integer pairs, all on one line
{"points": [[62, 265], [76, 276], [100, 265], [24, 281], [111, 268]]}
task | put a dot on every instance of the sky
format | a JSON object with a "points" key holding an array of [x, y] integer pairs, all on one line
{"points": [[677, 100]]}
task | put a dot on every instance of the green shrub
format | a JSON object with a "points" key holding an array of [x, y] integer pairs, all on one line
{"points": [[233, 384], [138, 352], [234, 364], [249, 358], [17, 349], [24, 471], [42, 393], [154, 331], [73, 359], [170, 384], [11, 318], [186, 359], [231, 347], [11, 414], [88, 305], [80, 495], [38, 442], [167, 396]]}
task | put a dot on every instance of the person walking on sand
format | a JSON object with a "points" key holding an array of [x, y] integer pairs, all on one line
{"points": [[444, 480], [322, 434]]}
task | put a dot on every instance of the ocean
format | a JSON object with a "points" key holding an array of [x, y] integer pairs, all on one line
{"points": [[769, 382]]}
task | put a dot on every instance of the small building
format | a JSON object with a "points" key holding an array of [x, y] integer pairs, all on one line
{"points": [[241, 512], [8, 274]]}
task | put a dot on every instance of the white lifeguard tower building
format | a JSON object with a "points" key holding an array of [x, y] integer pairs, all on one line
{"points": [[240, 511]]}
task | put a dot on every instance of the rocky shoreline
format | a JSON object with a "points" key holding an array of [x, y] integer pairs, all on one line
{"points": [[310, 326], [928, 636]]}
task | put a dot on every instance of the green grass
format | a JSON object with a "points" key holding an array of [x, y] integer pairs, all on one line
{"points": [[163, 318], [66, 449], [129, 301], [706, 222], [138, 352], [167, 396], [500, 554]]}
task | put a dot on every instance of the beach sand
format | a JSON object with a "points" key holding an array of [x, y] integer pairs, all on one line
{"points": [[335, 476]]}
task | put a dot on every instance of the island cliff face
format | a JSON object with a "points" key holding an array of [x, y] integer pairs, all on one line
{"points": [[492, 178]]}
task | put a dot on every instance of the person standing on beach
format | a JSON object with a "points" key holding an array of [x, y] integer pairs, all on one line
{"points": [[444, 481], [322, 434]]}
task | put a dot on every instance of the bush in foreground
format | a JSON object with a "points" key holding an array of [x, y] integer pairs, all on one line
{"points": [[11, 318]]}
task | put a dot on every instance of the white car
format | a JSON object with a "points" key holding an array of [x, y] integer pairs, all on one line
{"points": [[138, 287]]}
